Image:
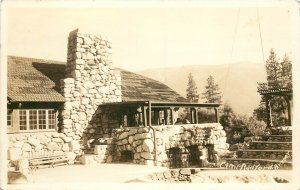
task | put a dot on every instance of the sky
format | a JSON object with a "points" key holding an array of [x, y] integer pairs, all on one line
{"points": [[148, 37]]}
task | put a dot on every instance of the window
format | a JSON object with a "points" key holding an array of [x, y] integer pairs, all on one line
{"points": [[9, 112], [42, 119], [23, 120], [51, 119], [32, 120]]}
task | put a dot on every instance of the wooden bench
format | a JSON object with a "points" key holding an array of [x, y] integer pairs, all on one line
{"points": [[48, 161]]}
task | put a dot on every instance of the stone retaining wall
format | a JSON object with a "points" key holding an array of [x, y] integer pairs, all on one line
{"points": [[141, 141], [174, 175], [196, 175]]}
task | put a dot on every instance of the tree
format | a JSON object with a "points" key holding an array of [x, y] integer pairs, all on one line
{"points": [[234, 125], [273, 68], [279, 75], [191, 91], [212, 92], [227, 116], [286, 72]]}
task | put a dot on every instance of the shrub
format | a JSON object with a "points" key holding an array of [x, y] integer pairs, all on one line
{"points": [[256, 127]]}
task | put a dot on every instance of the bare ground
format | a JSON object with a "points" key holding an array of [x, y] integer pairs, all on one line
{"points": [[79, 175]]}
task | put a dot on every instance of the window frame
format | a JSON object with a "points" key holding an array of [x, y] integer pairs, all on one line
{"points": [[37, 120], [15, 120], [10, 116]]}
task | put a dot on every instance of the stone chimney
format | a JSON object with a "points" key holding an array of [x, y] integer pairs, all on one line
{"points": [[90, 81]]}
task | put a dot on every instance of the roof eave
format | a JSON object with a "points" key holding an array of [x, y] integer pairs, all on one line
{"points": [[168, 104]]}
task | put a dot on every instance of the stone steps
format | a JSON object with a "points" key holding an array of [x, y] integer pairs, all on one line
{"points": [[92, 159], [277, 138], [270, 145], [282, 131], [255, 163], [267, 151], [272, 154]]}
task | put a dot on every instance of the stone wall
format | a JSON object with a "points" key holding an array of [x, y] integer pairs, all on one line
{"points": [[90, 81], [102, 153], [28, 145], [141, 141]]}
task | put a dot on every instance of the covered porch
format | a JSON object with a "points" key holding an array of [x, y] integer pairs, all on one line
{"points": [[150, 113]]}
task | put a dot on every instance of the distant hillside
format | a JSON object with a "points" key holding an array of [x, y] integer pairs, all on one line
{"points": [[238, 82]]}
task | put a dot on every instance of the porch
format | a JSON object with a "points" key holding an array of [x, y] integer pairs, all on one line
{"points": [[150, 113]]}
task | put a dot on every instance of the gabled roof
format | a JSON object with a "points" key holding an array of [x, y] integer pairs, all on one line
{"points": [[34, 80], [38, 80]]}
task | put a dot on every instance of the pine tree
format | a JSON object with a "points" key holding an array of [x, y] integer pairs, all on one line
{"points": [[286, 72], [273, 68], [191, 91], [212, 92], [279, 75]]}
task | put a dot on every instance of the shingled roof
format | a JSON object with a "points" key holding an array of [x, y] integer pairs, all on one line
{"points": [[38, 80]]}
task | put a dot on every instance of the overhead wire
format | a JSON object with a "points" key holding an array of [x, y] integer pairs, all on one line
{"points": [[260, 35], [263, 60], [232, 48]]}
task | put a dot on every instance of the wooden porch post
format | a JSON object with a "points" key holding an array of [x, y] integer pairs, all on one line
{"points": [[192, 115], [288, 99], [149, 109], [289, 114], [216, 115], [196, 112], [165, 116], [172, 115], [145, 115], [268, 108]]}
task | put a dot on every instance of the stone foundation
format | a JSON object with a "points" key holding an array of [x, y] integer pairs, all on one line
{"points": [[28, 145]]}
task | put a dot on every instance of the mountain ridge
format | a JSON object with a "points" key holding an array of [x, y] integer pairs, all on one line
{"points": [[237, 81]]}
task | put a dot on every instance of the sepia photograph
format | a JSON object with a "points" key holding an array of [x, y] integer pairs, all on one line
{"points": [[169, 94]]}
